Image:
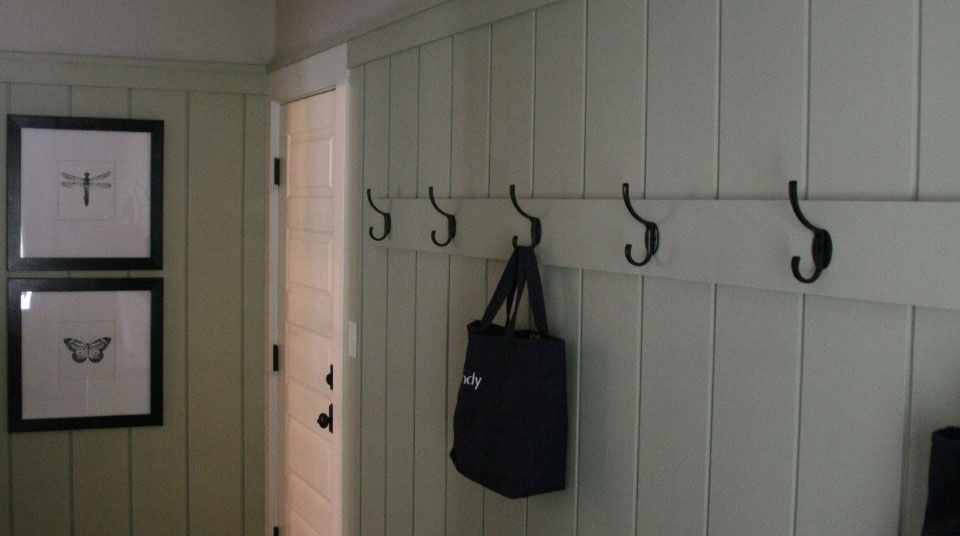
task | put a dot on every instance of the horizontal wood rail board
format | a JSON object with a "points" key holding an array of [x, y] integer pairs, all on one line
{"points": [[59, 69], [883, 251]]}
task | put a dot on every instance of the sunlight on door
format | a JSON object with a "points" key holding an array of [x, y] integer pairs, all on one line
{"points": [[311, 297]]}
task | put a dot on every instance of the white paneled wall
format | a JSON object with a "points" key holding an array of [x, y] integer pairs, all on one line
{"points": [[202, 472], [695, 408]]}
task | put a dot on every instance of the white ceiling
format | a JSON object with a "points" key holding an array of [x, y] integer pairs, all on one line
{"points": [[237, 31]]}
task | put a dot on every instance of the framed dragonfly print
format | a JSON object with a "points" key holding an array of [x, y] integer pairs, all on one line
{"points": [[84, 193], [84, 353]]}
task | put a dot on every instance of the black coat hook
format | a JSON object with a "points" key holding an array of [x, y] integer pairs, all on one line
{"points": [[651, 238], [386, 219], [451, 222], [534, 222], [822, 248]]}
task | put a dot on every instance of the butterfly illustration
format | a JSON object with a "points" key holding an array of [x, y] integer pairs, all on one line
{"points": [[86, 182], [83, 351]]}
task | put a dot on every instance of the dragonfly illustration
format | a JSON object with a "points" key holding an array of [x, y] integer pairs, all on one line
{"points": [[86, 182]]}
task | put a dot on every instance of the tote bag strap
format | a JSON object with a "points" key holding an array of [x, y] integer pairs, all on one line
{"points": [[531, 273], [506, 291]]}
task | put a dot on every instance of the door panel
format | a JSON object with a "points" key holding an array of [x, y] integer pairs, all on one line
{"points": [[311, 215]]}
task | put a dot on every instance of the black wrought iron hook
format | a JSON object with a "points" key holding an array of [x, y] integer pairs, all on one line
{"points": [[651, 237], [386, 219], [451, 222], [534, 222], [822, 248]]}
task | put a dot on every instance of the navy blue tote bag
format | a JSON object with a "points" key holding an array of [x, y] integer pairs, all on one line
{"points": [[510, 423], [943, 497]]}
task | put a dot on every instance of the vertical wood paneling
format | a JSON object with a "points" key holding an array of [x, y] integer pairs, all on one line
{"points": [[939, 115], [681, 120], [675, 407], [41, 481], [863, 61], [756, 383], [559, 104], [376, 141], [469, 166], [470, 115], [255, 146], [762, 98], [935, 401], [430, 403], [6, 521], [614, 146], [851, 429], [101, 458], [401, 299], [609, 400], [511, 162], [556, 513], [558, 172], [163, 510], [726, 117], [404, 97], [682, 99], [762, 144], [214, 310], [467, 300], [431, 397], [354, 240], [511, 105], [120, 481]]}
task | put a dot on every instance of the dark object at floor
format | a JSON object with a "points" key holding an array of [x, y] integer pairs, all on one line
{"points": [[943, 501]]}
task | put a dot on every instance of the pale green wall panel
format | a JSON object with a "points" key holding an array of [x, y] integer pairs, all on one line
{"points": [[433, 272], [470, 78], [41, 462], [101, 458], [684, 100], [373, 335], [401, 298], [511, 105], [255, 181], [214, 310], [164, 510], [935, 399], [134, 481]]}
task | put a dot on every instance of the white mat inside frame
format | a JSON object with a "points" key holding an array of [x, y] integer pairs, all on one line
{"points": [[892, 252]]}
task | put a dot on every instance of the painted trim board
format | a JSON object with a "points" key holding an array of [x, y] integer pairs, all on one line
{"points": [[58, 69], [437, 22], [890, 252]]}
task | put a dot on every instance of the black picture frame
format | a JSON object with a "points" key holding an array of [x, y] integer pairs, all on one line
{"points": [[16, 422], [15, 124]]}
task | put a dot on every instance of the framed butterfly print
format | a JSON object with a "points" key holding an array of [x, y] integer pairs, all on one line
{"points": [[84, 193], [84, 353]]}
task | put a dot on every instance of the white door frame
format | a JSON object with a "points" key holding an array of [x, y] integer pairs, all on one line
{"points": [[316, 74]]}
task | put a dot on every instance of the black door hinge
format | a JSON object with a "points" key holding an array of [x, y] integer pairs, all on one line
{"points": [[330, 377], [276, 357], [276, 171]]}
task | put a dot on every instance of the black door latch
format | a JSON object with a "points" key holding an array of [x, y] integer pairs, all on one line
{"points": [[325, 420]]}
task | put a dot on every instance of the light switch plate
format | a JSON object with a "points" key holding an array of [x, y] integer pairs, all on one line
{"points": [[352, 339]]}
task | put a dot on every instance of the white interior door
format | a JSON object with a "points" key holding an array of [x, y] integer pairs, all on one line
{"points": [[311, 316]]}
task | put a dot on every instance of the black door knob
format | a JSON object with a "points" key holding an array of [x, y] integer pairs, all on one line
{"points": [[325, 420]]}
